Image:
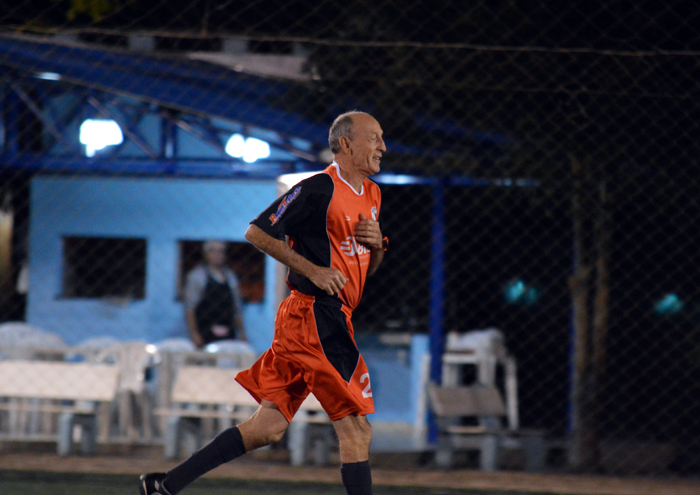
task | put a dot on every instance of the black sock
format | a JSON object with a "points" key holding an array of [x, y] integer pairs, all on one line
{"points": [[357, 478], [225, 447]]}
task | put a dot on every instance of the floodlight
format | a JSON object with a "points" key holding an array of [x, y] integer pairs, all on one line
{"points": [[249, 149], [96, 134], [519, 292], [669, 304]]}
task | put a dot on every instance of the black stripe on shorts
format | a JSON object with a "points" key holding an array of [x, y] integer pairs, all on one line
{"points": [[334, 335]]}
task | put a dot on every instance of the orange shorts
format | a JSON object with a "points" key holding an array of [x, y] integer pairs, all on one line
{"points": [[313, 351]]}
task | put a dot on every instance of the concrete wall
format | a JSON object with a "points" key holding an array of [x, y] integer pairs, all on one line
{"points": [[162, 211]]}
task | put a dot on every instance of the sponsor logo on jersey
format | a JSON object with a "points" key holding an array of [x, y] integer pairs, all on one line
{"points": [[284, 205], [374, 213], [350, 247]]}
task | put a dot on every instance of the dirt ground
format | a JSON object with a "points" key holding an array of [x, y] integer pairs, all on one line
{"points": [[397, 470]]}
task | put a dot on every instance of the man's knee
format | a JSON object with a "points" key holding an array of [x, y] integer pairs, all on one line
{"points": [[265, 427], [257, 435], [354, 434], [356, 428], [275, 433]]}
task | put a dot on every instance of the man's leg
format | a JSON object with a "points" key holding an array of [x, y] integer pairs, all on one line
{"points": [[264, 427], [354, 435]]}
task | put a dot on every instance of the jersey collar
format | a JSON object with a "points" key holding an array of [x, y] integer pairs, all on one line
{"points": [[337, 171]]}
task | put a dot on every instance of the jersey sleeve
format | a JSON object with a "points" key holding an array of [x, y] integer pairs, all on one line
{"points": [[289, 214]]}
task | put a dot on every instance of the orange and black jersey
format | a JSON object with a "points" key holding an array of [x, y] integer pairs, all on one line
{"points": [[317, 215]]}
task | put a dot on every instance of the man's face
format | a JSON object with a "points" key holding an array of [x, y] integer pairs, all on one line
{"points": [[215, 254], [367, 146]]}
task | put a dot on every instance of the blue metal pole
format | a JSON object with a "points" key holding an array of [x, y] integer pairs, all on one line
{"points": [[437, 281], [10, 122], [437, 293]]}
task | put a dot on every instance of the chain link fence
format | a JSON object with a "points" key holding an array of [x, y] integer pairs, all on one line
{"points": [[540, 179]]}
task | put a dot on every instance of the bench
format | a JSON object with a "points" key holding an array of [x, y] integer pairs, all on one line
{"points": [[485, 405], [203, 393], [73, 391]]}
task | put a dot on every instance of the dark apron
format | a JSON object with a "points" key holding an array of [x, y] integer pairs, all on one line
{"points": [[215, 308]]}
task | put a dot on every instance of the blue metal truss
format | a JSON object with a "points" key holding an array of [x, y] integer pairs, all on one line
{"points": [[60, 107], [192, 95], [187, 101], [186, 96], [193, 87]]}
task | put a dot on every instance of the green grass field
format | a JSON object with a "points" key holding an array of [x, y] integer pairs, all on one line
{"points": [[31, 483]]}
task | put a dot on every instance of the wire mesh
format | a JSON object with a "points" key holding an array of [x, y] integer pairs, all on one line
{"points": [[541, 179]]}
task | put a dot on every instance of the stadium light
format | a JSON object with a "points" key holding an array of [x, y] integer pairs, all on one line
{"points": [[400, 179], [249, 149], [97, 134], [518, 292], [669, 304], [48, 76]]}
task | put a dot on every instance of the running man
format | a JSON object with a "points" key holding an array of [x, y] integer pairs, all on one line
{"points": [[326, 229]]}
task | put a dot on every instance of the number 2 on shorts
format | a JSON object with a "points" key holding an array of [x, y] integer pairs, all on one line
{"points": [[367, 392]]}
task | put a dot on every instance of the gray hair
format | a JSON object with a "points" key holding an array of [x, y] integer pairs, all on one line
{"points": [[342, 126], [208, 245]]}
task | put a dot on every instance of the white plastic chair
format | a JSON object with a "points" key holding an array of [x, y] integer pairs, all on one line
{"points": [[19, 340], [232, 353], [133, 358]]}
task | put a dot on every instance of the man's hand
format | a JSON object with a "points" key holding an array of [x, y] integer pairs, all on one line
{"points": [[330, 280], [367, 232]]}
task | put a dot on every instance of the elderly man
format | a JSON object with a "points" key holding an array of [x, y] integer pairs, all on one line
{"points": [[326, 229], [213, 299]]}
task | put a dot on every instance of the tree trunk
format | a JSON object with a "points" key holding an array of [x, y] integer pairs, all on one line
{"points": [[579, 286], [601, 309], [588, 331]]}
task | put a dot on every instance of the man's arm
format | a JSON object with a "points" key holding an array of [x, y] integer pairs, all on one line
{"points": [[377, 255], [194, 287], [330, 280], [192, 327], [240, 328], [237, 322]]}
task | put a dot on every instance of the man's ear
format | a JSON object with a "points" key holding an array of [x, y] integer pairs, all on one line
{"points": [[344, 142]]}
